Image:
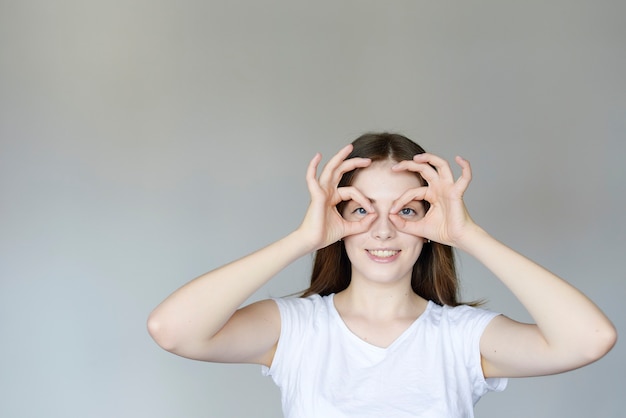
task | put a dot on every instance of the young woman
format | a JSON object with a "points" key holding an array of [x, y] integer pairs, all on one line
{"points": [[380, 332]]}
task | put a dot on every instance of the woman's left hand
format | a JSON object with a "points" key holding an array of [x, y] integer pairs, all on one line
{"points": [[570, 331], [447, 219]]}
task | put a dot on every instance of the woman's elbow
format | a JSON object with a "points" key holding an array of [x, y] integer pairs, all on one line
{"points": [[601, 342], [160, 333]]}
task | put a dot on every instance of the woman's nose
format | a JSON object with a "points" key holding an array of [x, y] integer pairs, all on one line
{"points": [[383, 228]]}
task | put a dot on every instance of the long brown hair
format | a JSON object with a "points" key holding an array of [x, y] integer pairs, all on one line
{"points": [[434, 273]]}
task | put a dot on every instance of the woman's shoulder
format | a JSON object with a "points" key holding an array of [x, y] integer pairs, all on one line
{"points": [[460, 314], [310, 305]]}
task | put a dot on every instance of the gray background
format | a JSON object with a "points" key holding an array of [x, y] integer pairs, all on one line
{"points": [[145, 142]]}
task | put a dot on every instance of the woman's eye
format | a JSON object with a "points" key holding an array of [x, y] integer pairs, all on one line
{"points": [[408, 212], [360, 211]]}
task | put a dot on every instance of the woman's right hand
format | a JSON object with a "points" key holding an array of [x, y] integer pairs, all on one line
{"points": [[323, 224], [201, 320]]}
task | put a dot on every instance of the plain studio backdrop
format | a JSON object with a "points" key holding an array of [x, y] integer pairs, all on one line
{"points": [[146, 142]]}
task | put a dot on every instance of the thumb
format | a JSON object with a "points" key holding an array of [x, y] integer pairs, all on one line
{"points": [[408, 227], [358, 227]]}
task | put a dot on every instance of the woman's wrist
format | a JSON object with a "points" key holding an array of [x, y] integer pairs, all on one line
{"points": [[472, 237], [302, 242]]}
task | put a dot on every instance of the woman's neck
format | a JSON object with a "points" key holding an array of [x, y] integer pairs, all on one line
{"points": [[380, 302]]}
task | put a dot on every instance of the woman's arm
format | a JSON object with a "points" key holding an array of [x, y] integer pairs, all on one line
{"points": [[197, 320], [570, 330], [201, 320]]}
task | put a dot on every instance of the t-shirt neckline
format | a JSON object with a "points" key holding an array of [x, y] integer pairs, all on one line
{"points": [[346, 330]]}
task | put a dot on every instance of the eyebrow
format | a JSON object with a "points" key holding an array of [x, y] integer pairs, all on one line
{"points": [[374, 200]]}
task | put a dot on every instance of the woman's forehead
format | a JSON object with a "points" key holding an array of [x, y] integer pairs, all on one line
{"points": [[379, 179]]}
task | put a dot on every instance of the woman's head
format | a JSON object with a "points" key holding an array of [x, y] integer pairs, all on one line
{"points": [[380, 147], [433, 276]]}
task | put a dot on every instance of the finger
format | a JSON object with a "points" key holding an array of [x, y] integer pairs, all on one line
{"points": [[352, 193], [311, 173], [346, 166], [441, 165], [352, 228], [466, 173], [427, 171], [418, 193], [408, 227], [334, 162]]}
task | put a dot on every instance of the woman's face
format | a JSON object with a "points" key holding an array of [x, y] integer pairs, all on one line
{"points": [[383, 254]]}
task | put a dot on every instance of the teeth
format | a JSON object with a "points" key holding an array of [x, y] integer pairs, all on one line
{"points": [[383, 253]]}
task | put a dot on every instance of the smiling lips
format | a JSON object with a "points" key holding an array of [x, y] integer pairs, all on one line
{"points": [[383, 255]]}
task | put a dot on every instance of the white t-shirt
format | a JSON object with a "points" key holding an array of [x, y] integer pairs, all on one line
{"points": [[431, 370]]}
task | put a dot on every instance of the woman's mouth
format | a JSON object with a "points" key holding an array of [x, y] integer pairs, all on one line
{"points": [[383, 255]]}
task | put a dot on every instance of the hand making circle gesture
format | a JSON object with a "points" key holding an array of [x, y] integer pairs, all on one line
{"points": [[447, 219], [323, 224]]}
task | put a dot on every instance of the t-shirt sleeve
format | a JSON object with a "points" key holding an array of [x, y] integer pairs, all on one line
{"points": [[294, 318], [471, 323]]}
